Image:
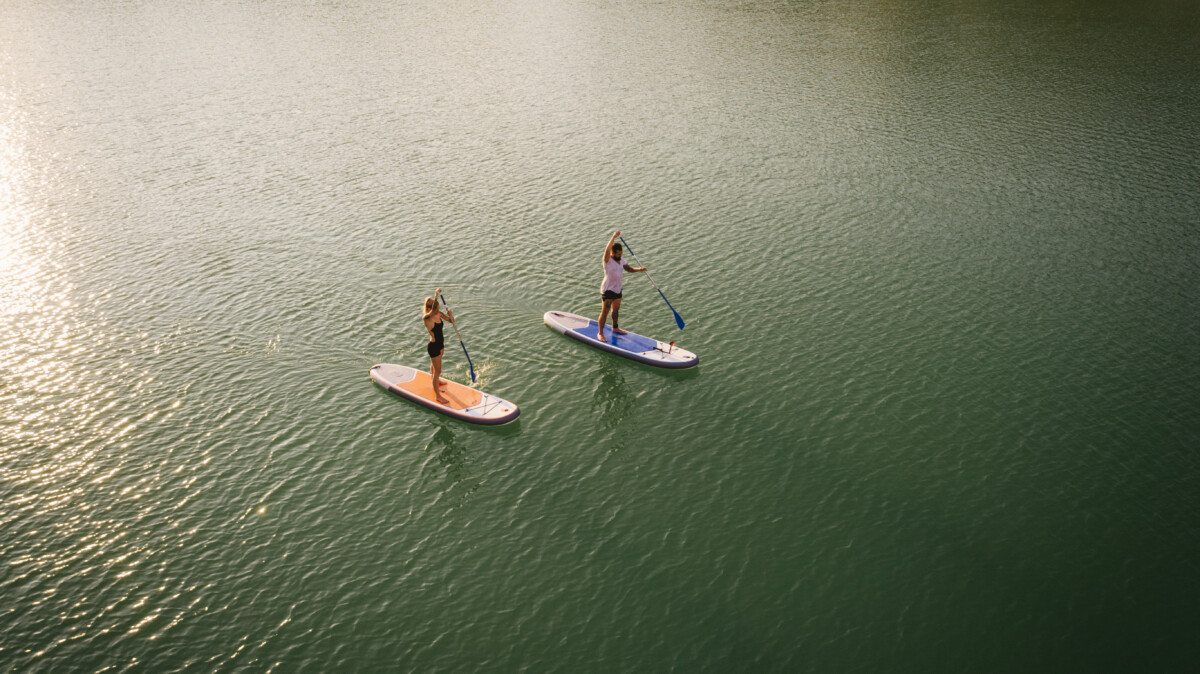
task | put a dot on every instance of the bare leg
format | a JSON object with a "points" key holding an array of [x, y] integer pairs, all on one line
{"points": [[605, 304], [616, 307], [435, 369]]}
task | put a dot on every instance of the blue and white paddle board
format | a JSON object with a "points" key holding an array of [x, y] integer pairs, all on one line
{"points": [[629, 345]]}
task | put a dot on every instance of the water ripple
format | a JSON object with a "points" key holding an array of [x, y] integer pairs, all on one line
{"points": [[942, 288]]}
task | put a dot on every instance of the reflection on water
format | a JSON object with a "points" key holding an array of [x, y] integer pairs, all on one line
{"points": [[80, 402], [42, 444], [450, 453], [454, 458], [614, 399]]}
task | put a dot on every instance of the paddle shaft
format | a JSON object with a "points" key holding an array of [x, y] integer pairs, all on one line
{"points": [[460, 341], [678, 318]]}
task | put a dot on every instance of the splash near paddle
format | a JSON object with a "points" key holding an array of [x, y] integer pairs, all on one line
{"points": [[630, 345], [466, 403]]}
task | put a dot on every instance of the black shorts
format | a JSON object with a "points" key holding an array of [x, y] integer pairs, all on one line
{"points": [[610, 295], [433, 349]]}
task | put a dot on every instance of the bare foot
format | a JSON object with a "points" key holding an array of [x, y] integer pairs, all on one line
{"points": [[600, 336], [444, 401], [619, 331]]}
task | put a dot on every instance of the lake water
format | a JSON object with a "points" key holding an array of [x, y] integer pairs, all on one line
{"points": [[940, 261]]}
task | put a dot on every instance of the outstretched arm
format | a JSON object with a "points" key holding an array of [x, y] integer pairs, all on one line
{"points": [[629, 267], [608, 249]]}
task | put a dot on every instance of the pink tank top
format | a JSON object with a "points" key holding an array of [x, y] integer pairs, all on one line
{"points": [[614, 272]]}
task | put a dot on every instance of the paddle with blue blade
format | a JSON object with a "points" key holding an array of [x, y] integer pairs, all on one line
{"points": [[460, 342], [678, 318]]}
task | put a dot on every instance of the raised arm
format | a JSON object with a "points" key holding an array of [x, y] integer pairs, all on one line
{"points": [[437, 297], [608, 249], [447, 315]]}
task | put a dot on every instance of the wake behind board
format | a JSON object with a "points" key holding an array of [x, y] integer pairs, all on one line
{"points": [[629, 345], [466, 403]]}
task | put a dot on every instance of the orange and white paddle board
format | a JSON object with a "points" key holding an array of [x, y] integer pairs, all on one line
{"points": [[465, 403]]}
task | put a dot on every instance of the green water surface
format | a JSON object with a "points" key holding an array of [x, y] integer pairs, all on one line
{"points": [[940, 261]]}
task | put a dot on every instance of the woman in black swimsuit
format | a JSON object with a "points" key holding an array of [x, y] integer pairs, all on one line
{"points": [[432, 318]]}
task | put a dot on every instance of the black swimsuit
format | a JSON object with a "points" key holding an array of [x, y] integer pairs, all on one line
{"points": [[438, 343]]}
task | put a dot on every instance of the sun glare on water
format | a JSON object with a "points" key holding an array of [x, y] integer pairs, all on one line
{"points": [[65, 423]]}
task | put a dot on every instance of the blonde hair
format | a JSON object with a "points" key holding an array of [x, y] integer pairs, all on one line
{"points": [[430, 303]]}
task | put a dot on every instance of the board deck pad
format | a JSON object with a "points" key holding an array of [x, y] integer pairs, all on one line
{"points": [[460, 397], [628, 342]]}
